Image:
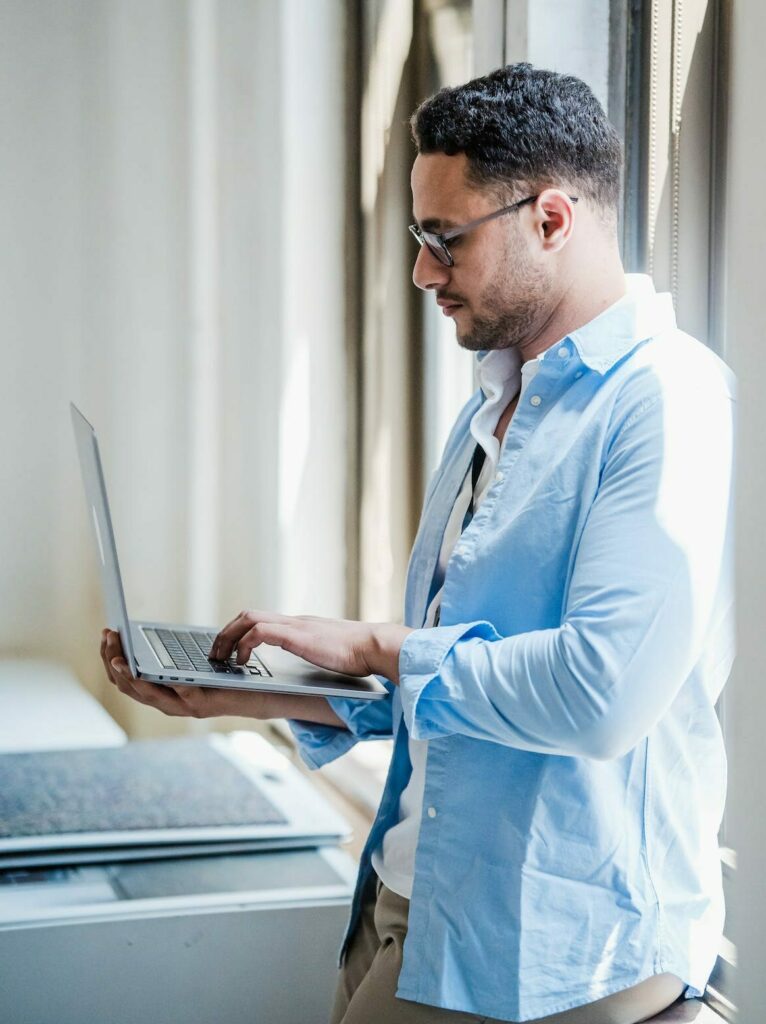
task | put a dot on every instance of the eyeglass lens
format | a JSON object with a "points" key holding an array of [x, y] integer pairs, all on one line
{"points": [[439, 250], [433, 244]]}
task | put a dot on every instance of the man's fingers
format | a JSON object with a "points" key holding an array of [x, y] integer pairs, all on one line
{"points": [[223, 644], [219, 641], [153, 695], [105, 659], [186, 701], [123, 679], [260, 633], [287, 635], [232, 632], [111, 648]]}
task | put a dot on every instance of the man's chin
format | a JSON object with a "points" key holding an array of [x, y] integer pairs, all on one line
{"points": [[471, 336], [467, 339], [483, 336], [463, 331]]}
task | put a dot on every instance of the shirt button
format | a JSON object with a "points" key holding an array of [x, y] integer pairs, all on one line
{"points": [[563, 352], [500, 477], [431, 812], [578, 374], [535, 400]]}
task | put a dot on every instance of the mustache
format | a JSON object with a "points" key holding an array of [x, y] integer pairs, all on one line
{"points": [[446, 297]]}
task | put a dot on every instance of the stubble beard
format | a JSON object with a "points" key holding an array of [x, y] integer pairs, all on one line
{"points": [[506, 329], [507, 324]]}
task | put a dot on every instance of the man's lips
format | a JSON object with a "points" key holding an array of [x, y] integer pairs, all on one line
{"points": [[448, 306]]}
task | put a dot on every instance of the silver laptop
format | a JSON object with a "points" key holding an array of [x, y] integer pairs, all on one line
{"points": [[172, 654]]}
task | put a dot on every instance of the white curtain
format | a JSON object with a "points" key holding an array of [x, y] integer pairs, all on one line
{"points": [[172, 218]]}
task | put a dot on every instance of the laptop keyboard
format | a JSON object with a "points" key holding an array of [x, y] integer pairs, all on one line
{"points": [[190, 650]]}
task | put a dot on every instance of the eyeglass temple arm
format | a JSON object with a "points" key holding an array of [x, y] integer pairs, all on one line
{"points": [[463, 228]]}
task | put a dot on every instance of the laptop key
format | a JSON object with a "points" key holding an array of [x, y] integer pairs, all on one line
{"points": [[191, 651]]}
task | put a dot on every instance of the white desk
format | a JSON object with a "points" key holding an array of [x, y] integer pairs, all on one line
{"points": [[43, 707], [227, 938]]}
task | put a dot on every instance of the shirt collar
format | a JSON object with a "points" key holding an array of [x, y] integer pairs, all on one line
{"points": [[640, 314], [499, 367]]}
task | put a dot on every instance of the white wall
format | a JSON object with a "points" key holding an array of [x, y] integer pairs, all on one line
{"points": [[172, 214], [745, 341], [568, 36]]}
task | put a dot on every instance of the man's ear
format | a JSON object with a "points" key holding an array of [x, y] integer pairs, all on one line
{"points": [[554, 214]]}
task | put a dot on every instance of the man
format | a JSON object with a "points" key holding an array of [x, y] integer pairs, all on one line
{"points": [[546, 846]]}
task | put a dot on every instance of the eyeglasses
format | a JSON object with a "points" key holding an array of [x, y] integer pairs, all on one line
{"points": [[437, 244]]}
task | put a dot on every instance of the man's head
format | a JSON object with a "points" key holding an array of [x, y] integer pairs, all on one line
{"points": [[493, 142]]}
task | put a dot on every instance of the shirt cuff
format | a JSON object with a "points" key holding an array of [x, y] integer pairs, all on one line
{"points": [[364, 720], [424, 692], [320, 744]]}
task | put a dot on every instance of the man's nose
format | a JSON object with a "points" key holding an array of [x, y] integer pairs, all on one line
{"points": [[429, 272]]}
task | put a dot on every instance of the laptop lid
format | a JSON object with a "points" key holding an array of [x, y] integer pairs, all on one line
{"points": [[101, 521]]}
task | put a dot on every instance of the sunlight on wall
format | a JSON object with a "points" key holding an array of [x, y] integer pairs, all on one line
{"points": [[294, 433], [390, 52]]}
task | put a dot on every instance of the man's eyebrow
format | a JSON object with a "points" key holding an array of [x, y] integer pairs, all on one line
{"points": [[434, 223]]}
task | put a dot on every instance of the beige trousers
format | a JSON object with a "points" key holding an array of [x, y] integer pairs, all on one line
{"points": [[366, 992]]}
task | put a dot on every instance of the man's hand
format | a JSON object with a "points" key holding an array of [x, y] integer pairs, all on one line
{"points": [[356, 648], [185, 701], [210, 702]]}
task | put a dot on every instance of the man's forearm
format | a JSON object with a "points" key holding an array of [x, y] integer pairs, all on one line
{"points": [[306, 709]]}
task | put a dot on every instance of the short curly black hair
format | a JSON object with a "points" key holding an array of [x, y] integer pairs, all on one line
{"points": [[522, 126]]}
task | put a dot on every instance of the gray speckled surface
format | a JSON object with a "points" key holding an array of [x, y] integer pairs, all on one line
{"points": [[148, 784]]}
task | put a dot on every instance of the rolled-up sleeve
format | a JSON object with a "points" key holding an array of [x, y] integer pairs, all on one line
{"points": [[652, 562], [364, 720]]}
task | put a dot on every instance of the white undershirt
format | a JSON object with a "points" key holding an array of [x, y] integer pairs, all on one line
{"points": [[501, 377]]}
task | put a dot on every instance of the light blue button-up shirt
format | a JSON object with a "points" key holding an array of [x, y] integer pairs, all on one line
{"points": [[576, 772]]}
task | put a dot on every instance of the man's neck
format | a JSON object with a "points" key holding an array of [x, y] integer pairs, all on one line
{"points": [[582, 302]]}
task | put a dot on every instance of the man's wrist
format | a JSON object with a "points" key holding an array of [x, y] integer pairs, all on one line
{"points": [[386, 639]]}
